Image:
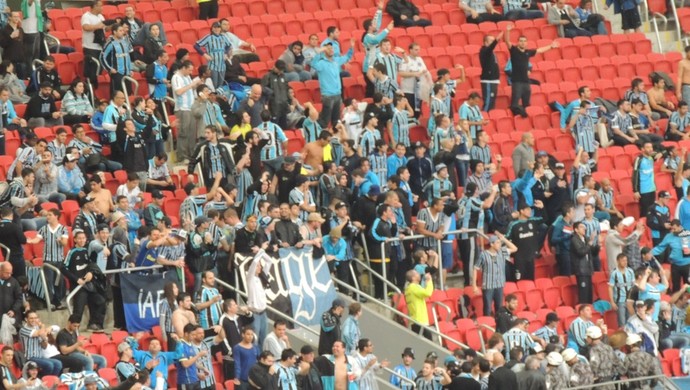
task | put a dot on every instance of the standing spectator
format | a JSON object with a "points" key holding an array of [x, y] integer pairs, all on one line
{"points": [[562, 230], [115, 58], [12, 43], [327, 66], [527, 231], [350, 328], [93, 38], [630, 15], [489, 78], [208, 300], [405, 14], [54, 236], [214, 157], [620, 284], [659, 217], [189, 360], [383, 228], [523, 154], [258, 270], [492, 263], [519, 58], [33, 29], [213, 47], [416, 297], [12, 237], [567, 20], [275, 85], [330, 326], [263, 374], [644, 186], [478, 11], [411, 73], [405, 370], [277, 341], [580, 256], [369, 364], [245, 355], [183, 92]]}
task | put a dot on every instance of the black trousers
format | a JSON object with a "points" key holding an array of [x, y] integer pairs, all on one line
{"points": [[378, 283], [485, 17], [522, 92], [118, 309], [90, 68], [70, 362], [208, 10], [584, 289], [426, 333], [679, 273], [18, 265], [646, 201], [95, 302], [468, 255]]}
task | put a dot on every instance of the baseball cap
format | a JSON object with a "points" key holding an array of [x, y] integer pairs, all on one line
{"points": [[493, 239], [639, 303], [215, 25], [201, 220], [542, 153], [289, 160], [408, 352], [560, 166], [340, 205], [419, 145], [338, 303], [554, 359], [180, 233], [664, 195], [123, 346], [157, 194], [449, 360]]}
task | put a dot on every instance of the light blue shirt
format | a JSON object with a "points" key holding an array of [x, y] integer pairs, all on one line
{"points": [[328, 71]]}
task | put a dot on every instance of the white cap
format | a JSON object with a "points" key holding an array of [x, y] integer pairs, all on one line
{"points": [[594, 332], [554, 359], [54, 329], [569, 354], [633, 338]]}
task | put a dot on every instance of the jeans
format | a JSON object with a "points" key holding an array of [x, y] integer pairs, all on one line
{"points": [[622, 314], [48, 366], [330, 111], [55, 197], [218, 78], [489, 92], [154, 148], [563, 260], [33, 224], [301, 75], [260, 326], [490, 295], [522, 92], [462, 167], [677, 341], [519, 14], [186, 135], [409, 22], [685, 92], [57, 290], [90, 360], [576, 32]]}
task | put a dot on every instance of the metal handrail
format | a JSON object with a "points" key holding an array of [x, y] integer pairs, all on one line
{"points": [[444, 306], [402, 378], [660, 378], [57, 50], [45, 283], [117, 271], [675, 16], [7, 257], [270, 308], [92, 94], [166, 117], [135, 92], [401, 314], [35, 62], [378, 275]]}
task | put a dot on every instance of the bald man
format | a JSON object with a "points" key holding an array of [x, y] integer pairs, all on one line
{"points": [[523, 153], [531, 378], [502, 377], [254, 104], [10, 294]]}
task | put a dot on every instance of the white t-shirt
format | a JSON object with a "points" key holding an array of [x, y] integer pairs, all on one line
{"points": [[353, 123], [412, 65], [87, 36], [132, 196], [30, 23]]}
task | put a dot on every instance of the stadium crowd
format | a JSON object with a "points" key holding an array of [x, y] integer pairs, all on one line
{"points": [[356, 189]]}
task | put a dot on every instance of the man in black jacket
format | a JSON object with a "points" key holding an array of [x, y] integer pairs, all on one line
{"points": [[276, 89], [580, 257], [235, 73], [262, 376], [12, 237], [133, 149], [214, 156], [489, 78], [506, 314], [10, 294], [41, 110], [287, 231], [405, 14], [502, 377], [12, 41]]}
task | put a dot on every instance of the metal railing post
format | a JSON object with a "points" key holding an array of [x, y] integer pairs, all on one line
{"points": [[57, 49], [383, 270], [412, 384], [46, 292], [442, 272], [166, 117], [126, 91]]}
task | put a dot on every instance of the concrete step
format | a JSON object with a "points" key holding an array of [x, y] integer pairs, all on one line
{"points": [[60, 317]]}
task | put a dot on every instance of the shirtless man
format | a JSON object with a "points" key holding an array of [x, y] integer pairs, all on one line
{"points": [[657, 98], [183, 315], [683, 84], [336, 365], [312, 154], [103, 197]]}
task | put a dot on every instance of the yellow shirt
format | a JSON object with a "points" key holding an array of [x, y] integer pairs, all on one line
{"points": [[242, 129], [416, 296]]}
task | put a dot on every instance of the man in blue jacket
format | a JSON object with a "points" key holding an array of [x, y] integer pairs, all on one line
{"points": [[678, 240], [327, 66], [562, 232]]}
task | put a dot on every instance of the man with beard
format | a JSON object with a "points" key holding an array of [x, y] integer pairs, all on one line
{"points": [[560, 193], [527, 231]]}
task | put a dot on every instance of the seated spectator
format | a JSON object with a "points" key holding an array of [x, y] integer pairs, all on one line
{"points": [[657, 98], [567, 20], [41, 110], [90, 151], [295, 63], [9, 80], [478, 11], [519, 10], [46, 184], [590, 21], [404, 13], [76, 104], [679, 124], [70, 346]]}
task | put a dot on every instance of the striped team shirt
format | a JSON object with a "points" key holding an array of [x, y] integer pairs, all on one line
{"points": [[206, 363], [58, 151], [622, 122], [431, 384], [251, 207], [158, 172], [184, 101], [592, 226], [401, 127], [471, 113], [622, 282], [493, 267], [631, 95], [215, 159], [243, 179], [212, 115], [53, 251], [578, 331], [517, 338], [115, 55], [470, 215], [367, 141], [481, 153], [276, 137], [216, 46], [166, 311], [311, 130], [392, 63], [672, 162], [606, 198], [298, 197], [87, 223], [436, 107], [386, 86], [379, 165], [680, 122], [30, 343], [286, 377], [584, 133], [432, 224], [440, 135], [580, 172], [436, 186], [213, 205], [545, 333], [216, 233], [192, 207], [172, 252], [27, 156], [209, 316], [81, 145]]}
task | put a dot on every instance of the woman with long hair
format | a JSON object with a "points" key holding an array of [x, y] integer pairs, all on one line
{"points": [[10, 80], [168, 306], [76, 104]]}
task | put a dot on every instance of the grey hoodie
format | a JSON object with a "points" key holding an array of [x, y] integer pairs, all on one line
{"points": [[38, 384], [289, 58]]}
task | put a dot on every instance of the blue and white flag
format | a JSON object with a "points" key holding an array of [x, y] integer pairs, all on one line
{"points": [[141, 298]]}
